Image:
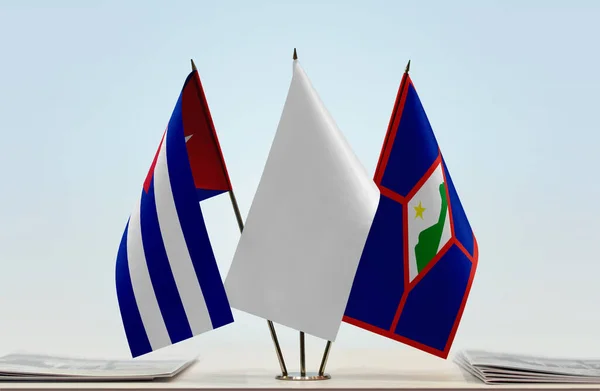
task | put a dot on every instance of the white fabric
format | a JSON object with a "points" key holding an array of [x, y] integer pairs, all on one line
{"points": [[308, 223]]}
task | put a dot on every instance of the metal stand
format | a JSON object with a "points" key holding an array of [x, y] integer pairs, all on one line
{"points": [[307, 376], [324, 359], [303, 375], [277, 348]]}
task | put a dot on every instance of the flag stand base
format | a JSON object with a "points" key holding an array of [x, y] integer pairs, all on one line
{"points": [[309, 376], [303, 375]]}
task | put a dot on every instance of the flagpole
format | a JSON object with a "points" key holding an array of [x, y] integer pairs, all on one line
{"points": [[324, 359], [240, 221], [302, 355], [303, 376], [328, 346], [302, 342]]}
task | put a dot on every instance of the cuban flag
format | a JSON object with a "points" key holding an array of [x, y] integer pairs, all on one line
{"points": [[168, 284], [420, 257]]}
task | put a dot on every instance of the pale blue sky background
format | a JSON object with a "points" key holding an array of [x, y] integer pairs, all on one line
{"points": [[510, 87]]}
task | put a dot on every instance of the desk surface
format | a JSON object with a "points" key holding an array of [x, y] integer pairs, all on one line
{"points": [[350, 369]]}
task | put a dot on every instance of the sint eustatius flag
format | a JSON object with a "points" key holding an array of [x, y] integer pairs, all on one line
{"points": [[168, 284], [420, 257]]}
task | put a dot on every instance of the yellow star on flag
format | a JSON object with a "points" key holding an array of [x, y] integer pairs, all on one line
{"points": [[419, 209]]}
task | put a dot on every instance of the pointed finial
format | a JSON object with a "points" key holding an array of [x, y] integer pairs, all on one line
{"points": [[407, 67], [193, 66], [295, 57]]}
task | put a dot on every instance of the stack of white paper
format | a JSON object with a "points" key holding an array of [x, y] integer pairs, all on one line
{"points": [[497, 368], [18, 367]]}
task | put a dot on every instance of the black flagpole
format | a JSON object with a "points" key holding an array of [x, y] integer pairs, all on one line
{"points": [[328, 346], [302, 344], [240, 222]]}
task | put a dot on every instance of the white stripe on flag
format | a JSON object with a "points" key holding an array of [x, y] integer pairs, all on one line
{"points": [[182, 267], [142, 285]]}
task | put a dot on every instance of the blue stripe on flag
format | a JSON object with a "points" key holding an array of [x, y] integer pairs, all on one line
{"points": [[462, 228], [433, 304], [414, 150], [379, 281], [161, 275], [132, 320], [192, 223]]}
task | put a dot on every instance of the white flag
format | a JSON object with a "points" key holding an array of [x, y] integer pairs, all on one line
{"points": [[308, 223]]}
